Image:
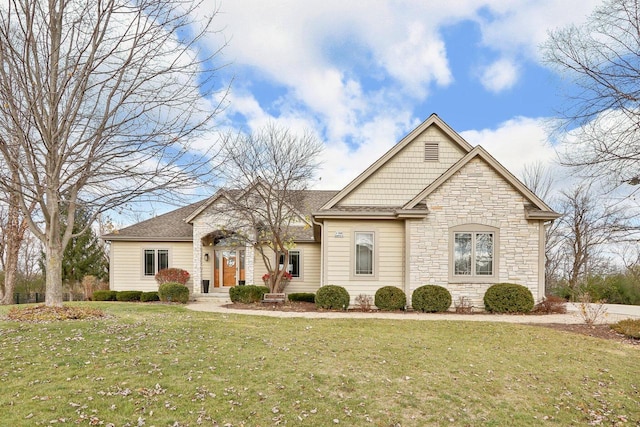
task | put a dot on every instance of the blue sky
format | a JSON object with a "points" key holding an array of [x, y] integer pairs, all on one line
{"points": [[363, 74]]}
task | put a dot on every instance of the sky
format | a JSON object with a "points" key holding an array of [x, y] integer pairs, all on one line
{"points": [[362, 74]]}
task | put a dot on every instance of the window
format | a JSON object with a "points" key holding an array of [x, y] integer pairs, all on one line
{"points": [[364, 256], [294, 263], [473, 252], [155, 260]]}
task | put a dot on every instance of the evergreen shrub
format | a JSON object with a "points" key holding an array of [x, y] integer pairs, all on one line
{"points": [[247, 294], [508, 298], [431, 299], [149, 296], [128, 296], [173, 292], [302, 297], [390, 298], [332, 297], [104, 295]]}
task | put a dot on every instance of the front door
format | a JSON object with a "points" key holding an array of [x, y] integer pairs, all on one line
{"points": [[227, 269]]}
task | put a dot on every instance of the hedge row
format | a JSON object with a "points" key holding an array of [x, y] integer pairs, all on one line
{"points": [[125, 296]]}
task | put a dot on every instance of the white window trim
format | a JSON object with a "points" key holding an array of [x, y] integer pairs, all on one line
{"points": [[374, 275], [155, 261], [472, 229]]}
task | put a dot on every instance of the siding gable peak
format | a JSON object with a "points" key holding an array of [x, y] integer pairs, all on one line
{"points": [[431, 154]]}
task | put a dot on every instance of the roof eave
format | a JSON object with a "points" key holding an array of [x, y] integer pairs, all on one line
{"points": [[109, 238], [542, 215]]}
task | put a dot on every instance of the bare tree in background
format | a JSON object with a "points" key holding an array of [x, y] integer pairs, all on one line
{"points": [[601, 58], [100, 102], [13, 226], [540, 179], [586, 226], [269, 170]]}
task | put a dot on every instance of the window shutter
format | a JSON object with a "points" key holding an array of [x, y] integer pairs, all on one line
{"points": [[431, 153]]}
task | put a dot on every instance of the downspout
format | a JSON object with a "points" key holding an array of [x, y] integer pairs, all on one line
{"points": [[321, 225]]}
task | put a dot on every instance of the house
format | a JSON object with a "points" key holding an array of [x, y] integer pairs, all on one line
{"points": [[432, 210]]}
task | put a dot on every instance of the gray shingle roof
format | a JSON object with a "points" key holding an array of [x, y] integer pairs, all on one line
{"points": [[167, 227], [172, 226]]}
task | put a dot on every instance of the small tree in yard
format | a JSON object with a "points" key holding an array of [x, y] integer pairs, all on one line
{"points": [[100, 103], [271, 167]]}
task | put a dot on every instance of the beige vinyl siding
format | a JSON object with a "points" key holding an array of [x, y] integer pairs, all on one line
{"points": [[388, 258], [407, 173], [310, 269], [259, 269], [126, 263]]}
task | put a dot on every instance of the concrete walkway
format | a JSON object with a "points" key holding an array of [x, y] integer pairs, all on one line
{"points": [[614, 313]]}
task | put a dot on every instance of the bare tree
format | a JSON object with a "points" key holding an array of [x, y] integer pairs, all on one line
{"points": [[13, 226], [586, 226], [540, 179], [100, 104], [267, 172], [601, 59]]}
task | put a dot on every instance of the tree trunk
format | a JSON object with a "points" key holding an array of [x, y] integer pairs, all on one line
{"points": [[14, 235], [53, 263]]}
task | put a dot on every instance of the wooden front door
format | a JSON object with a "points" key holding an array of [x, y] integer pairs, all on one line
{"points": [[228, 267]]}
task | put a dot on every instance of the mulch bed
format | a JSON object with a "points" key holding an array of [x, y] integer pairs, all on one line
{"points": [[597, 331]]}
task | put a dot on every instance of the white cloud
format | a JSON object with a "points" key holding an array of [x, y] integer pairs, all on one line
{"points": [[515, 143], [499, 76]]}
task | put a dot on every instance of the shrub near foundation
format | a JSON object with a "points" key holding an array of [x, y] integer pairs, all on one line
{"points": [[173, 292], [302, 297], [508, 298], [149, 296], [390, 298], [431, 299], [247, 294], [332, 297], [126, 296], [104, 295]]}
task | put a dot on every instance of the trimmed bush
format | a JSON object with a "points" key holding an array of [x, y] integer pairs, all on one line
{"points": [[173, 292], [172, 275], [431, 299], [508, 298], [390, 298], [332, 297], [628, 327], [124, 296], [302, 297], [247, 294], [149, 296], [104, 295]]}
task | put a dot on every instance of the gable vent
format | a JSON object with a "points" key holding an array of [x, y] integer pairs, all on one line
{"points": [[431, 152]]}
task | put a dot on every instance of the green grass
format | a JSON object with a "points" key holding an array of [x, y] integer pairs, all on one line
{"points": [[170, 366]]}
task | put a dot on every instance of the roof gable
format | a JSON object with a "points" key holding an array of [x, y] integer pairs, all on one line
{"points": [[458, 144], [543, 210]]}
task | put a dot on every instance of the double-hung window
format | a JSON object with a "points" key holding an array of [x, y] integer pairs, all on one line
{"points": [[294, 263], [474, 253], [155, 260], [364, 253]]}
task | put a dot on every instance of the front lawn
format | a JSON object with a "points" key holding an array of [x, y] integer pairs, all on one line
{"points": [[161, 365]]}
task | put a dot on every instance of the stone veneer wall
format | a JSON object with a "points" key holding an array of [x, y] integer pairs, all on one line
{"points": [[204, 224], [475, 194]]}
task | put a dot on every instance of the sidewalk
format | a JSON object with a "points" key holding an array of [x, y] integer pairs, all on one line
{"points": [[615, 313]]}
